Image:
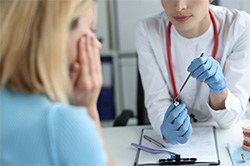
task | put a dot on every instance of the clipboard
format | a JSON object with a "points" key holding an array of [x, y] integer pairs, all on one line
{"points": [[202, 145]]}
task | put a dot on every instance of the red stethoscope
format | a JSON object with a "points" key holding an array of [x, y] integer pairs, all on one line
{"points": [[168, 43]]}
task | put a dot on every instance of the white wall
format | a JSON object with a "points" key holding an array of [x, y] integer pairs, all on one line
{"points": [[102, 28], [129, 79], [236, 4], [128, 12], [246, 5]]}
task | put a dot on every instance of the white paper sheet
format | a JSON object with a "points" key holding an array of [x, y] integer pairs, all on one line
{"points": [[201, 145]]}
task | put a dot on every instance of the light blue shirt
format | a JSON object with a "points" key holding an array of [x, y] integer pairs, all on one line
{"points": [[37, 131]]}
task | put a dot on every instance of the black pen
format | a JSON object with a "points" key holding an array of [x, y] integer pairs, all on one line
{"points": [[154, 141]]}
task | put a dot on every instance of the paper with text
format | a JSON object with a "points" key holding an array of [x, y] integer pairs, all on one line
{"points": [[201, 145]]}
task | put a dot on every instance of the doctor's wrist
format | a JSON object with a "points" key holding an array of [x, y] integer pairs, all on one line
{"points": [[217, 100]]}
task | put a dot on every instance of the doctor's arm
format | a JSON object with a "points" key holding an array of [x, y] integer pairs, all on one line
{"points": [[209, 70], [229, 103], [217, 100]]}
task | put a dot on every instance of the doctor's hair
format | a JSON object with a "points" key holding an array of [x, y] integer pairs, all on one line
{"points": [[33, 45]]}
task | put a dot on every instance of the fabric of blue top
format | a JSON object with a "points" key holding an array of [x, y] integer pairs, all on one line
{"points": [[38, 131]]}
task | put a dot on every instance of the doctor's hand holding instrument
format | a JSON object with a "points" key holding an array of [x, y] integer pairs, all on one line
{"points": [[176, 126], [208, 70]]}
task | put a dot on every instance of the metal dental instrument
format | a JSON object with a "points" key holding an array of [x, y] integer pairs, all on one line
{"points": [[153, 141], [152, 150], [176, 102]]}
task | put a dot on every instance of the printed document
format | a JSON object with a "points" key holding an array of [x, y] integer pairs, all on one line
{"points": [[202, 145]]}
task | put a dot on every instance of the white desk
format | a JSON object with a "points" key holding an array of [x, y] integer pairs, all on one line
{"points": [[119, 139]]}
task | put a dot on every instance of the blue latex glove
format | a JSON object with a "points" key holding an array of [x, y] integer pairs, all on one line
{"points": [[207, 69], [176, 126]]}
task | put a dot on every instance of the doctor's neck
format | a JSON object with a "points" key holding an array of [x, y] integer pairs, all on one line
{"points": [[194, 29]]}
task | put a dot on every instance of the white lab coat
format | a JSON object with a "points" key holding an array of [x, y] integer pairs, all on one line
{"points": [[233, 54]]}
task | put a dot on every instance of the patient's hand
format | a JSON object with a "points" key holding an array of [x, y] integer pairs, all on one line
{"points": [[86, 72]]}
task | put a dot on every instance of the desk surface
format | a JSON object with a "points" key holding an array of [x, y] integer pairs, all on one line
{"points": [[119, 139]]}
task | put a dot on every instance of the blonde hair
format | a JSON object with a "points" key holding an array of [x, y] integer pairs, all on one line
{"points": [[33, 43]]}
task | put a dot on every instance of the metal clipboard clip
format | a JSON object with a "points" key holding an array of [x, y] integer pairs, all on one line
{"points": [[177, 160]]}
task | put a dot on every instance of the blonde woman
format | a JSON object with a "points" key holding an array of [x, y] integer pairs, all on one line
{"points": [[50, 79]]}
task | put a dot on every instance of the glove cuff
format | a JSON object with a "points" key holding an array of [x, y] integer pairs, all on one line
{"points": [[222, 86]]}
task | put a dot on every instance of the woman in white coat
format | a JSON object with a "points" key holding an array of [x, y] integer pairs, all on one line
{"points": [[169, 46]]}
